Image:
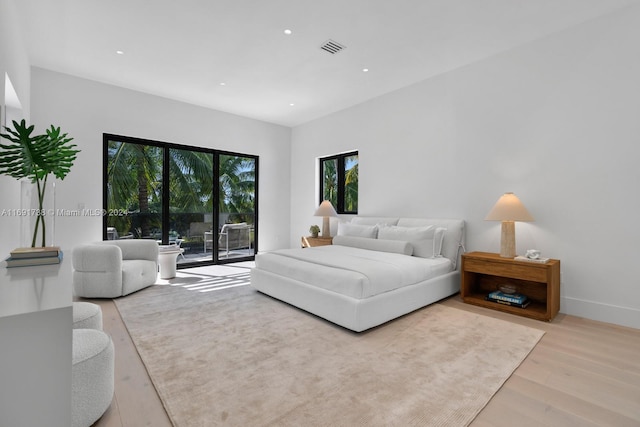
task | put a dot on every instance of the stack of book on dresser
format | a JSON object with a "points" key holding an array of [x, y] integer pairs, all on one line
{"points": [[25, 257], [514, 299]]}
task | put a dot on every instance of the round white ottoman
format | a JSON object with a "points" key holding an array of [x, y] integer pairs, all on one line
{"points": [[91, 376], [87, 315]]}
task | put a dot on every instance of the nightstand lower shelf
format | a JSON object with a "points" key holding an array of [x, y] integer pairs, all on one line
{"points": [[535, 310]]}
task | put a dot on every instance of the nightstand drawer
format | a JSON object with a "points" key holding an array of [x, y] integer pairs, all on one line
{"points": [[512, 270]]}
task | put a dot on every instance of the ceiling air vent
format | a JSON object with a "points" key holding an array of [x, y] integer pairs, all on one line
{"points": [[332, 47]]}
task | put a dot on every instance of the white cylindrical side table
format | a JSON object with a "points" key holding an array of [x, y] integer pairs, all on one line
{"points": [[167, 259]]}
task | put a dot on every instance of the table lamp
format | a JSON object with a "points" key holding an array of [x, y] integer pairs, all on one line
{"points": [[508, 209], [325, 210]]}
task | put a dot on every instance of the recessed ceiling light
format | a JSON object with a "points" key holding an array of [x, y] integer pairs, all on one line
{"points": [[365, 70], [223, 84], [292, 104], [119, 52], [288, 32]]}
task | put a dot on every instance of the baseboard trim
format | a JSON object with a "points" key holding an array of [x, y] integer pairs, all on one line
{"points": [[624, 316]]}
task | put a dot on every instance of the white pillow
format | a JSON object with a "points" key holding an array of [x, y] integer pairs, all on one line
{"points": [[426, 241], [356, 230], [421, 238], [380, 245], [438, 238]]}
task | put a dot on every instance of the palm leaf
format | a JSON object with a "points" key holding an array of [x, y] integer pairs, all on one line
{"points": [[34, 157], [24, 153], [60, 155]]}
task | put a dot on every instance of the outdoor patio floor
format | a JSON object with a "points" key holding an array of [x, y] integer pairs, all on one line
{"points": [[222, 255]]}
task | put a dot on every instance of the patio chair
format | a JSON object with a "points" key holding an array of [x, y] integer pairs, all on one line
{"points": [[112, 233], [178, 244], [208, 240], [234, 236]]}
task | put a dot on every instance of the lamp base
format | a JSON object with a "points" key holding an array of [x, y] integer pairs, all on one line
{"points": [[508, 239], [326, 229]]}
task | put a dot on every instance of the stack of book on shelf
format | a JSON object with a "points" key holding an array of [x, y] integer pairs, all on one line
{"points": [[25, 257], [514, 299]]}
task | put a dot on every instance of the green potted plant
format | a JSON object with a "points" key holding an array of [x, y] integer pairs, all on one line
{"points": [[314, 230], [36, 157]]}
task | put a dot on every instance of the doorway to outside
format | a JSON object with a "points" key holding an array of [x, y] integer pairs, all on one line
{"points": [[203, 201]]}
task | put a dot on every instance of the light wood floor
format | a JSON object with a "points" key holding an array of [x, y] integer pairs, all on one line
{"points": [[582, 373]]}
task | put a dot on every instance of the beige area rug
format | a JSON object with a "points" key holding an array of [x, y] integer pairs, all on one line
{"points": [[239, 358]]}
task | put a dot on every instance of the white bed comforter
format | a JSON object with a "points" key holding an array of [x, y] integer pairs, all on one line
{"points": [[358, 273]]}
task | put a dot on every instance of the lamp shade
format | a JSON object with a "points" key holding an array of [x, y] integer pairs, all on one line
{"points": [[509, 208], [325, 209]]}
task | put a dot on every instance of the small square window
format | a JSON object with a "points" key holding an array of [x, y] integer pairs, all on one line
{"points": [[339, 181]]}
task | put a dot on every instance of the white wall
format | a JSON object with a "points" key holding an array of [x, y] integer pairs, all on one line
{"points": [[86, 109], [13, 62], [556, 121]]}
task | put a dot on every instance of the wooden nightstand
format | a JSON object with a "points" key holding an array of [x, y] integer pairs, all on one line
{"points": [[483, 272], [310, 242]]}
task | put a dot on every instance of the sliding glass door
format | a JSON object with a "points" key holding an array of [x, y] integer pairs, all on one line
{"points": [[191, 200], [201, 200], [134, 191], [236, 219]]}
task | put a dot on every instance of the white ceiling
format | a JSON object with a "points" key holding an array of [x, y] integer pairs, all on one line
{"points": [[185, 49]]}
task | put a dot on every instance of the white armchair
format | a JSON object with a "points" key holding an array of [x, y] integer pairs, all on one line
{"points": [[114, 268]]}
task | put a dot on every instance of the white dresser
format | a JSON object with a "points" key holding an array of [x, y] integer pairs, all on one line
{"points": [[36, 345]]}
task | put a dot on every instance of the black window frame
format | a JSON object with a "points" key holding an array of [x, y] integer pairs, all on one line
{"points": [[340, 172]]}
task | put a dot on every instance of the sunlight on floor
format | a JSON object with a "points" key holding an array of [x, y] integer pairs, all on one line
{"points": [[211, 278]]}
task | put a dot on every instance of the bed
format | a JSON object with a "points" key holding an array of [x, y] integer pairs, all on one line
{"points": [[377, 269]]}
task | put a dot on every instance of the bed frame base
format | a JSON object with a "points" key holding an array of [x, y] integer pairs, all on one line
{"points": [[351, 313]]}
